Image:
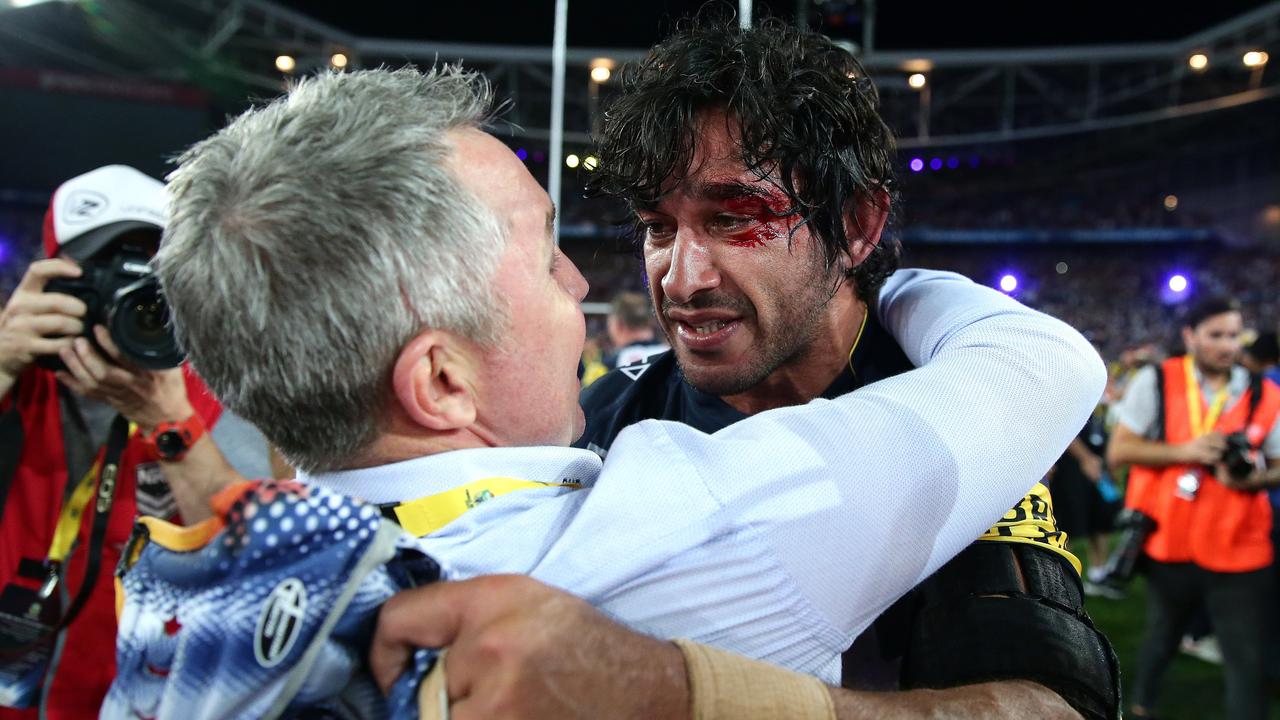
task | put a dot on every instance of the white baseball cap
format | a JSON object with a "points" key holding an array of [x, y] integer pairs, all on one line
{"points": [[91, 210]]}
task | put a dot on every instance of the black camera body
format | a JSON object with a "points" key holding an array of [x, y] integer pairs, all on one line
{"points": [[1135, 527], [1238, 457], [122, 293]]}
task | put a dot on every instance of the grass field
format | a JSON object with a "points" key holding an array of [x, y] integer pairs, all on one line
{"points": [[1192, 688]]}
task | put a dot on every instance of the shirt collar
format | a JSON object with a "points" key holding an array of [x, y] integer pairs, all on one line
{"points": [[430, 474]]}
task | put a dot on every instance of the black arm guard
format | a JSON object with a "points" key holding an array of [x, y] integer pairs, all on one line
{"points": [[1011, 611]]}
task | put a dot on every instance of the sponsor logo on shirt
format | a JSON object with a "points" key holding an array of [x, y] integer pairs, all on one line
{"points": [[280, 622]]}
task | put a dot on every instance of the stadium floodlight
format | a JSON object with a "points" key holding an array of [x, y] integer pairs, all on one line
{"points": [[285, 63], [572, 160], [917, 80], [1178, 283], [1170, 202], [26, 3], [1062, 268], [601, 70], [917, 164], [1255, 58], [338, 60], [1008, 283], [1198, 61], [590, 163]]}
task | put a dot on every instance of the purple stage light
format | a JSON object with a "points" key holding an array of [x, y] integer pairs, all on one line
{"points": [[935, 164], [539, 156], [1178, 282], [522, 154], [917, 164], [953, 162], [1008, 283]]}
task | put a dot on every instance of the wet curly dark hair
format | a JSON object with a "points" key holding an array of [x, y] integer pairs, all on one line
{"points": [[808, 114]]}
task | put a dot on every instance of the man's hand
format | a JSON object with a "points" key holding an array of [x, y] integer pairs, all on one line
{"points": [[1204, 450], [520, 649], [38, 323], [144, 397], [1259, 479]]}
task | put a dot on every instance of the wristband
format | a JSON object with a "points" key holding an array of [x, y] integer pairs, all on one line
{"points": [[726, 686], [170, 441]]}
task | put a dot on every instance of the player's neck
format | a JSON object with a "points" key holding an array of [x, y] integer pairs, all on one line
{"points": [[807, 375]]}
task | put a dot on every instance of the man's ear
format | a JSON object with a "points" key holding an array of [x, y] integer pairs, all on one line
{"points": [[434, 381], [863, 223]]}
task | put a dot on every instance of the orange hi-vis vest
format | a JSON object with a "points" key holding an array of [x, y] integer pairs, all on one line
{"points": [[1219, 529]]}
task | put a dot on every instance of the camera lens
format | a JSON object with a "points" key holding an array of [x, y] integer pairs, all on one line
{"points": [[140, 326]]}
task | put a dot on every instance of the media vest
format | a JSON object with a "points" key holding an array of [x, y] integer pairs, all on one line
{"points": [[1218, 529], [31, 508]]}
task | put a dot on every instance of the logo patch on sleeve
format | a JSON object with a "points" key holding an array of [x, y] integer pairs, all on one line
{"points": [[280, 622]]}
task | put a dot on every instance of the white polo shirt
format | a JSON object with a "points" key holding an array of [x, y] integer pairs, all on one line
{"points": [[783, 536]]}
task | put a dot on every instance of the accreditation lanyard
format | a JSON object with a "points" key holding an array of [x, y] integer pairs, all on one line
{"points": [[101, 494], [428, 514], [1201, 424]]}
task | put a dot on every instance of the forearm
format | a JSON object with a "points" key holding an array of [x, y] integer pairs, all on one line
{"points": [[1013, 699], [200, 474], [723, 686], [1140, 451]]}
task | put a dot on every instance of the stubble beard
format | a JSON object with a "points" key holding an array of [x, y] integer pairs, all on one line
{"points": [[792, 336]]}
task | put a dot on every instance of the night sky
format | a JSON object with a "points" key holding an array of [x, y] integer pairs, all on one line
{"points": [[900, 24]]}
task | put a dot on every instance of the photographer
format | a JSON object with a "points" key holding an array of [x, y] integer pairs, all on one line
{"points": [[80, 419], [1200, 432]]}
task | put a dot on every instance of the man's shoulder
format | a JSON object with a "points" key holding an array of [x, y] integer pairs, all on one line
{"points": [[627, 395]]}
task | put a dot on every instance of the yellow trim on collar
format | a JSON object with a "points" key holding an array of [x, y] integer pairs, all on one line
{"points": [[428, 514]]}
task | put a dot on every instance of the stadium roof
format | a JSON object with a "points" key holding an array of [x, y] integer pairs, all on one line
{"points": [[899, 25]]}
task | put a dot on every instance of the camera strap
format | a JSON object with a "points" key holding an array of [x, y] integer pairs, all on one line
{"points": [[95, 490]]}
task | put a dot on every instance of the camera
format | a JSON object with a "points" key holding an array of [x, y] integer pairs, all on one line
{"points": [[123, 294], [1135, 527], [1238, 457]]}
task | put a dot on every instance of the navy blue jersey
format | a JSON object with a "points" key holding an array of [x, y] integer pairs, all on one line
{"points": [[655, 389]]}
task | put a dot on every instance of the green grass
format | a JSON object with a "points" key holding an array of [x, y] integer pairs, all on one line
{"points": [[1192, 689]]}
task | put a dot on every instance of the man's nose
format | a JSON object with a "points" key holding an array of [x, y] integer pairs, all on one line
{"points": [[692, 269]]}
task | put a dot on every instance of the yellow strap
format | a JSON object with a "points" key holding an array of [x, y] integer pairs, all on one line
{"points": [[427, 515], [1195, 402], [68, 527]]}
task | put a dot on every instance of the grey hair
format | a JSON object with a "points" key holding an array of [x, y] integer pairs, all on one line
{"points": [[313, 237]]}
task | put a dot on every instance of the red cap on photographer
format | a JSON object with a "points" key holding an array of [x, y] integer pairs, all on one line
{"points": [[91, 210]]}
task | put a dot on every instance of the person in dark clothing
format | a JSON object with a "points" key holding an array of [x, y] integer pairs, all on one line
{"points": [[727, 144]]}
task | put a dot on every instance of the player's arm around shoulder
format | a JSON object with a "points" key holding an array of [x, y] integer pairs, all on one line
{"points": [[1010, 608]]}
